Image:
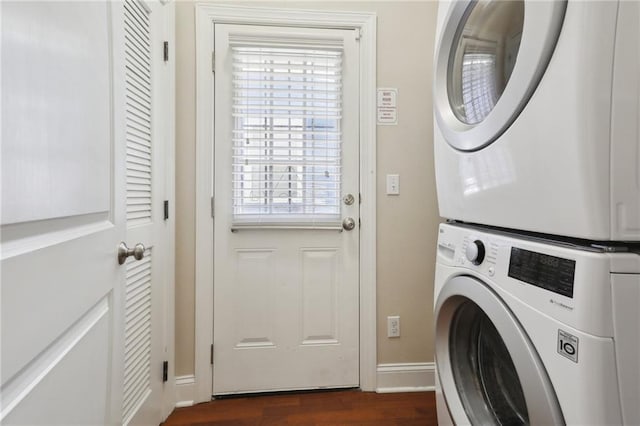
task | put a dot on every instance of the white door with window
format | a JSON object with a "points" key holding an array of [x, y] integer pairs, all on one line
{"points": [[79, 330], [286, 226]]}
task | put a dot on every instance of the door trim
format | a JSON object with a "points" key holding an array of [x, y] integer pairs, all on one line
{"points": [[206, 15], [169, 239]]}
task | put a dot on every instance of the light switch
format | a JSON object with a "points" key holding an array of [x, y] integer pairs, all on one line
{"points": [[393, 184]]}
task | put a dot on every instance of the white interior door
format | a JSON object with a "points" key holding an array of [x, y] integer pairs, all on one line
{"points": [[285, 154], [62, 213], [82, 336], [146, 141]]}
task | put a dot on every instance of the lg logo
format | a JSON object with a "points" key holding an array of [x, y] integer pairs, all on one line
{"points": [[568, 345]]}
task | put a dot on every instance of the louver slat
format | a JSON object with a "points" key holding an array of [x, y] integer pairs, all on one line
{"points": [[138, 113], [137, 367]]}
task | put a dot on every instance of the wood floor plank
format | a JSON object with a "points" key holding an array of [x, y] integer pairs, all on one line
{"points": [[332, 408]]}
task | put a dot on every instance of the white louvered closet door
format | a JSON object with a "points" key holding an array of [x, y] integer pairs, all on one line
{"points": [[286, 158], [143, 326]]}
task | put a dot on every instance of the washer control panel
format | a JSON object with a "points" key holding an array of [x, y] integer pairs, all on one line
{"points": [[480, 251], [570, 283], [551, 273]]}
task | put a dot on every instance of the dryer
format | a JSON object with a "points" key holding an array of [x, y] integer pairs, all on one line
{"points": [[532, 331], [537, 105]]}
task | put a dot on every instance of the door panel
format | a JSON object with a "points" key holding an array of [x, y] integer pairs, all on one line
{"points": [[62, 213], [319, 295], [254, 298], [83, 349], [145, 74], [72, 45], [285, 272]]}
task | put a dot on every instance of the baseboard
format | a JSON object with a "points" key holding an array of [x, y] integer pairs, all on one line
{"points": [[406, 377], [401, 377], [185, 390]]}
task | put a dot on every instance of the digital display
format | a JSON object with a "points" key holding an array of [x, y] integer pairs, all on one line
{"points": [[541, 270]]}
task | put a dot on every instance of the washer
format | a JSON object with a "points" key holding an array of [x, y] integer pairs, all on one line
{"points": [[531, 331], [537, 105]]}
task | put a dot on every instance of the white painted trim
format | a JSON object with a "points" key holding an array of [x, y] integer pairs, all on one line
{"points": [[204, 222], [406, 377], [169, 317], [185, 390], [206, 15]]}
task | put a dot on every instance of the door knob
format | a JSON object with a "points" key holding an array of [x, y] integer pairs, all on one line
{"points": [[123, 252], [348, 223]]}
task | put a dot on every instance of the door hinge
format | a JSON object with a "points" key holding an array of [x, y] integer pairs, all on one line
{"points": [[359, 223], [213, 62], [165, 371], [211, 359], [358, 33], [213, 208], [166, 209], [359, 198], [165, 51]]}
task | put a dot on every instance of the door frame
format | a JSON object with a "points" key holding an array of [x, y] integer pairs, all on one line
{"points": [[206, 15], [168, 111]]}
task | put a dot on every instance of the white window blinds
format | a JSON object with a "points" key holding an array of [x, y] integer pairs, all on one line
{"points": [[287, 111]]}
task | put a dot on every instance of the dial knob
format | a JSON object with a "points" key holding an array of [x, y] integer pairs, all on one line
{"points": [[475, 252]]}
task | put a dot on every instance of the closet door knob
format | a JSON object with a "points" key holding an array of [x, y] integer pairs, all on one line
{"points": [[123, 252]]}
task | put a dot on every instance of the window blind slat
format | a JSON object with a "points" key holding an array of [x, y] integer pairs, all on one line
{"points": [[265, 107], [289, 130], [258, 84], [277, 92]]}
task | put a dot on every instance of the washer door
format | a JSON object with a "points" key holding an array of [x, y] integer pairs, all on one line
{"points": [[491, 57], [489, 371]]}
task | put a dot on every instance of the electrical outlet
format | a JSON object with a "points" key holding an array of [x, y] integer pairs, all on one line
{"points": [[393, 326]]}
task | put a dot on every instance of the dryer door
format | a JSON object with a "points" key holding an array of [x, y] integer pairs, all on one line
{"points": [[491, 57], [489, 371]]}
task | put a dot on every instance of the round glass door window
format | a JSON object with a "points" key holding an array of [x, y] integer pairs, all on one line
{"points": [[483, 370], [482, 59], [491, 57]]}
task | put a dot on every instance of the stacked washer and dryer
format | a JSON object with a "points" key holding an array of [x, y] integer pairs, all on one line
{"points": [[537, 150]]}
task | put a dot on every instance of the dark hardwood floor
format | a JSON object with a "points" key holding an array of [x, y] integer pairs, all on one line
{"points": [[349, 407]]}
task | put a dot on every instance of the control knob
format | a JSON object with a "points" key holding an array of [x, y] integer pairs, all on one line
{"points": [[475, 252]]}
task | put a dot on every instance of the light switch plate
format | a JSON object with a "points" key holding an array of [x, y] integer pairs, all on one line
{"points": [[393, 326], [393, 184]]}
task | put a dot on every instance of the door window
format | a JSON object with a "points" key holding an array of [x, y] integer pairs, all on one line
{"points": [[287, 111], [483, 371]]}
